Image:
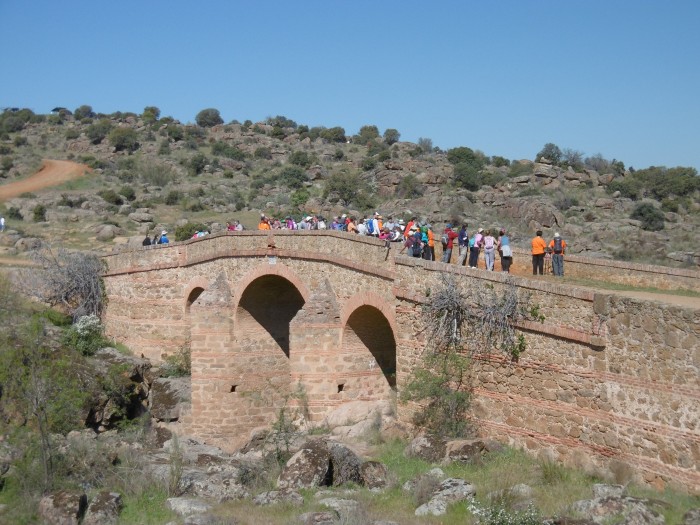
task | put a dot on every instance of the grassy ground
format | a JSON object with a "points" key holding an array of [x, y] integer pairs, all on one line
{"points": [[625, 287]]}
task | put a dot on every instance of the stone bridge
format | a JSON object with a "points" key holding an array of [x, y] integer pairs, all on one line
{"points": [[606, 380]]}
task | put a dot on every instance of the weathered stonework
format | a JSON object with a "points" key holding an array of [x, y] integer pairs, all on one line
{"points": [[604, 379]]}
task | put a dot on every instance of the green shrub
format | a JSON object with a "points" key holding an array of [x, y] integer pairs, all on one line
{"points": [[178, 364], [86, 335], [518, 168], [293, 177], [195, 206], [14, 214], [409, 187], [499, 161], [5, 149], [72, 134], [263, 153], [300, 158], [175, 132], [669, 205], [39, 213], [98, 131], [164, 147], [155, 173], [299, 198], [20, 140], [336, 134], [124, 139], [197, 163], [339, 154], [83, 111], [173, 197], [366, 134], [227, 150], [652, 218], [128, 192], [369, 163], [467, 176], [391, 136], [111, 197]]}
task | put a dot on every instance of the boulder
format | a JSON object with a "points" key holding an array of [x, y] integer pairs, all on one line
{"points": [[291, 497], [319, 518], [344, 507], [309, 467], [140, 217], [187, 506], [107, 232], [167, 396], [345, 465], [26, 244], [429, 448], [375, 475], [464, 450], [63, 508], [623, 509], [450, 491], [692, 517], [104, 509]]}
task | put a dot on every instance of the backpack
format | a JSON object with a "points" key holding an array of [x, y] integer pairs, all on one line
{"points": [[370, 227], [417, 249], [488, 243], [472, 241], [557, 245], [445, 239]]}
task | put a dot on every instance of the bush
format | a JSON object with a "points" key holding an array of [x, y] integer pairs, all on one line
{"points": [[299, 198], [173, 197], [14, 214], [409, 187], [336, 134], [263, 153], [98, 131], [208, 118], [499, 161], [551, 152], [72, 134], [85, 335], [124, 139], [111, 197], [366, 134], [128, 192], [652, 218], [150, 114], [20, 140], [565, 202], [39, 213], [197, 163], [155, 173], [467, 176], [293, 177], [425, 144], [300, 158], [179, 364], [227, 150], [464, 155], [164, 148]]}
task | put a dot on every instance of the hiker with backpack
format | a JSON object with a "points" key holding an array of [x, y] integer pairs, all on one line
{"points": [[463, 243], [448, 238], [557, 246], [489, 250], [505, 251]]}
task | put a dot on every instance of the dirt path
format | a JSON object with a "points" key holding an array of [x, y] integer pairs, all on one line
{"points": [[678, 300], [52, 173]]}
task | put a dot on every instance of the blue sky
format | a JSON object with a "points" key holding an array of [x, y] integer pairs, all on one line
{"points": [[620, 78]]}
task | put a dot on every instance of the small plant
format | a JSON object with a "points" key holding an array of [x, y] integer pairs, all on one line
{"points": [[175, 468], [652, 218], [14, 214], [178, 364], [501, 515], [39, 213], [85, 335]]}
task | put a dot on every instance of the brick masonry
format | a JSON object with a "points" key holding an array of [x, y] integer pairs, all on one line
{"points": [[605, 379]]}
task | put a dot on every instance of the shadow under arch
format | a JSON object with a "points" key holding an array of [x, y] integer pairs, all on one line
{"points": [[368, 337], [266, 307]]}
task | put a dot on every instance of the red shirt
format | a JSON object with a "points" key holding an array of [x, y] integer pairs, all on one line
{"points": [[451, 235]]}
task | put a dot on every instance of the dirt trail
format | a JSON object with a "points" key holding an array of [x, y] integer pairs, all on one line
{"points": [[52, 173]]}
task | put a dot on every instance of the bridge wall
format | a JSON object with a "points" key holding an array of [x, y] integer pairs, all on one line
{"points": [[605, 380]]}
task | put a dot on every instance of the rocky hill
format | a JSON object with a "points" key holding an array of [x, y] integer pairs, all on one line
{"points": [[150, 173]]}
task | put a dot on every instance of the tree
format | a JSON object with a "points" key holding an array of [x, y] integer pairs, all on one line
{"points": [[550, 152], [391, 136], [124, 139], [83, 111], [150, 114], [71, 280], [208, 118], [464, 155], [573, 158], [366, 134], [293, 176], [467, 176], [425, 144], [336, 134]]}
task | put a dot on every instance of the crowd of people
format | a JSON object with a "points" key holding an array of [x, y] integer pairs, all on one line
{"points": [[419, 239]]}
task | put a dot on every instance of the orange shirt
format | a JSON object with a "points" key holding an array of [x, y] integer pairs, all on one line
{"points": [[538, 246], [431, 239], [264, 225]]}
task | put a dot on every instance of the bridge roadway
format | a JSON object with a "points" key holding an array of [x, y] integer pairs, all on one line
{"points": [[338, 317]]}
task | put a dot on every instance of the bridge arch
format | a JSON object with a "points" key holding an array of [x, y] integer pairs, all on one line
{"points": [[266, 301], [368, 341], [193, 290]]}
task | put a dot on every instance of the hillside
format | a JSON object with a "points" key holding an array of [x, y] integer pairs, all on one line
{"points": [[150, 173]]}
